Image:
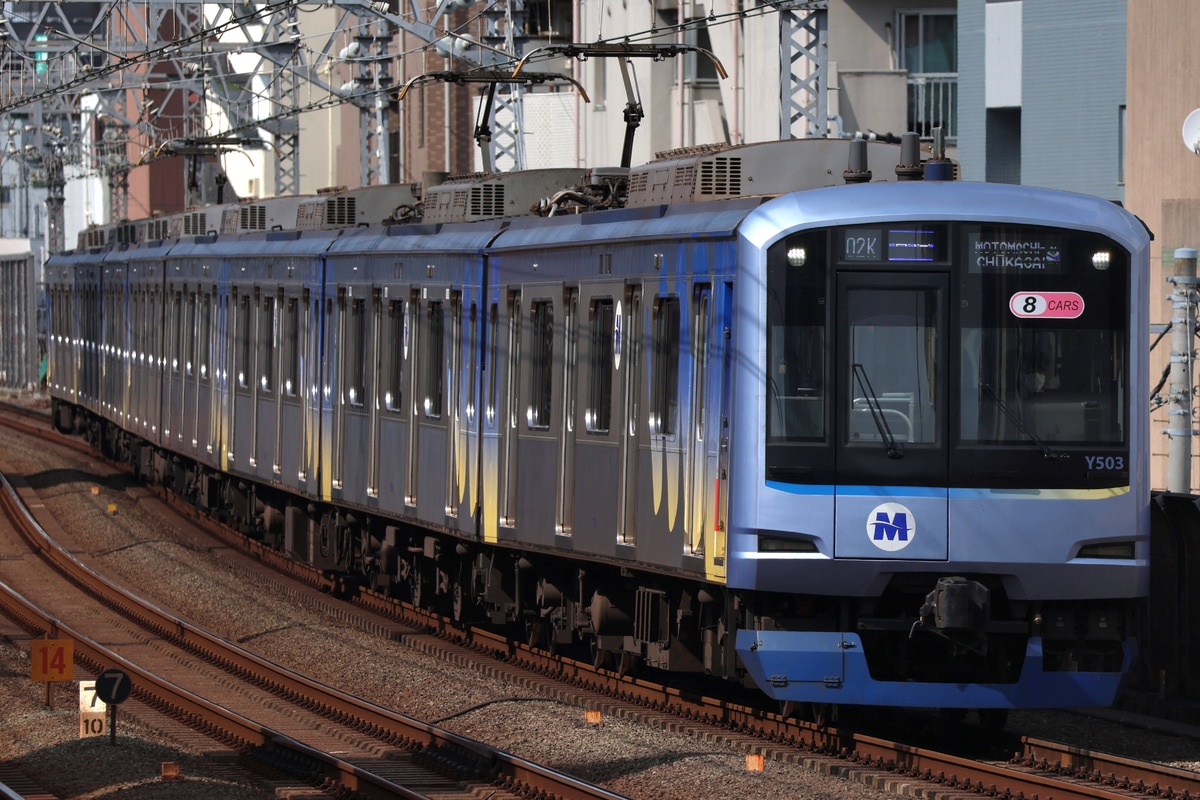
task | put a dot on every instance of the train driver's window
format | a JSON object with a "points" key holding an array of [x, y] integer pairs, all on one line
{"points": [[796, 323]]}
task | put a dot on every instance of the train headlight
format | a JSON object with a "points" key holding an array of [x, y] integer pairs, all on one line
{"points": [[1101, 259], [796, 256]]}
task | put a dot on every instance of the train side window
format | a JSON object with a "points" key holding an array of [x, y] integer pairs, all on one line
{"points": [[289, 381], [176, 327], [491, 365], [473, 349], [393, 397], [434, 357], [266, 344], [700, 339], [598, 414], [541, 341], [205, 335], [242, 340], [354, 331], [189, 331], [514, 358], [664, 381]]}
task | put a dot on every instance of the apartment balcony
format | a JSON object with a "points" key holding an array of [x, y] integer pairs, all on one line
{"points": [[932, 103]]}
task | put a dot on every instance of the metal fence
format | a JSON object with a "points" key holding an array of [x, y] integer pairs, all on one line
{"points": [[933, 103], [20, 353]]}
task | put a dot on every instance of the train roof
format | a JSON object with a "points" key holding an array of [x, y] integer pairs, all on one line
{"points": [[922, 200], [273, 243], [722, 172], [465, 237], [697, 220]]}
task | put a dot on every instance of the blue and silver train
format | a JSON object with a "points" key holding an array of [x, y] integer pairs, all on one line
{"points": [[875, 443]]}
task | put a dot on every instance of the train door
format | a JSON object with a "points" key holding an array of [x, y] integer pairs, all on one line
{"points": [[375, 403], [722, 329], [698, 508], [220, 373], [704, 448], [413, 339], [204, 373], [455, 448], [289, 417], [891, 461], [510, 413], [173, 402], [431, 429], [629, 342], [242, 380], [566, 483]]}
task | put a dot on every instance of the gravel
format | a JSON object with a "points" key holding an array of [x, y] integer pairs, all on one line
{"points": [[626, 757]]}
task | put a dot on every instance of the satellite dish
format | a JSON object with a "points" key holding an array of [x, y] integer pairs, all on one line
{"points": [[1191, 132]]}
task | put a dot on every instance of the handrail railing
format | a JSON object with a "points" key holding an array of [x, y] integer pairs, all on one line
{"points": [[932, 103]]}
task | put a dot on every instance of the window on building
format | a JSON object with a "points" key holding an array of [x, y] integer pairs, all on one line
{"points": [[927, 43]]}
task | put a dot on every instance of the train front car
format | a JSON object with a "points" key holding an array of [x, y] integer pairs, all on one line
{"points": [[939, 487]]}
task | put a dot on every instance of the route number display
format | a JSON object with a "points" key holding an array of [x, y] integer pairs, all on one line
{"points": [[52, 660]]}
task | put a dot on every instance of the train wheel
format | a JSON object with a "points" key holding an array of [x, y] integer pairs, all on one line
{"points": [[951, 717], [416, 588], [599, 656], [457, 604], [535, 634], [627, 665], [824, 714], [993, 720]]}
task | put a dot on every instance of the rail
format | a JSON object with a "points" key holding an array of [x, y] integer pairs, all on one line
{"points": [[505, 769]]}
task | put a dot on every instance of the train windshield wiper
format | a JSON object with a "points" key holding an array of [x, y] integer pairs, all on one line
{"points": [[877, 415], [1015, 419]]}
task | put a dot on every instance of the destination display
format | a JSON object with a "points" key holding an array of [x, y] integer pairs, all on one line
{"points": [[992, 250], [905, 243]]}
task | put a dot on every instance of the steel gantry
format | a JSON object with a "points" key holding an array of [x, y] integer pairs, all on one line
{"points": [[804, 43]]}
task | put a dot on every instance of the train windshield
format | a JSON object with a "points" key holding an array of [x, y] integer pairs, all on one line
{"points": [[947, 353]]}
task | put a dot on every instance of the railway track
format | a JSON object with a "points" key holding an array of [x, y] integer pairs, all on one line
{"points": [[1041, 769], [295, 725]]}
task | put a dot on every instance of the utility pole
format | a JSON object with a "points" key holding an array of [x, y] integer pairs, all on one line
{"points": [[1183, 354]]}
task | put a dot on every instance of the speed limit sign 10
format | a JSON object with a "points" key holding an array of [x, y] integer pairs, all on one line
{"points": [[92, 711]]}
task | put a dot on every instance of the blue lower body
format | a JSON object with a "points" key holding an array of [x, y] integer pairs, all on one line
{"points": [[831, 667]]}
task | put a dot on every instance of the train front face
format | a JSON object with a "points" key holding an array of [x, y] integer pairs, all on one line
{"points": [[939, 491]]}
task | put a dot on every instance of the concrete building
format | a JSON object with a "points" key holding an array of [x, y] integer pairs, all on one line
{"points": [[1162, 173], [1042, 93]]}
